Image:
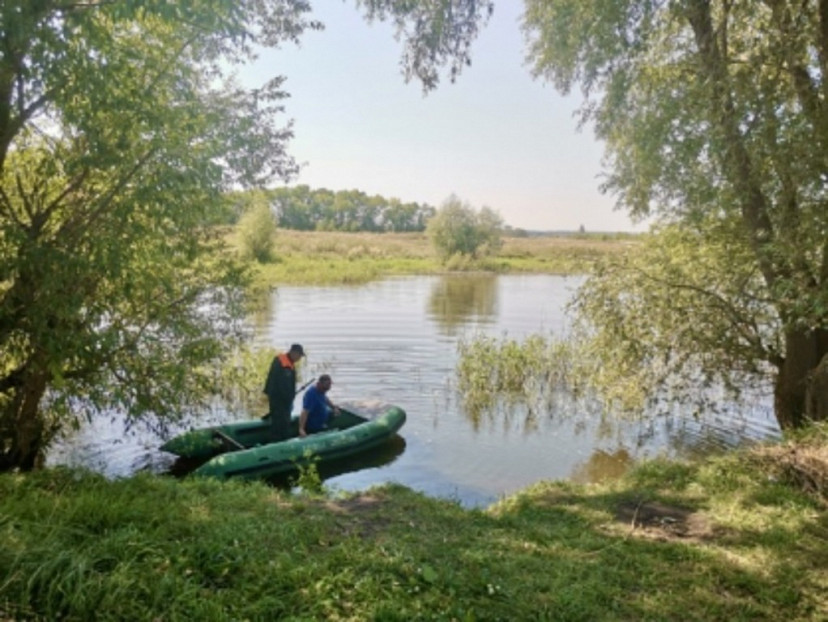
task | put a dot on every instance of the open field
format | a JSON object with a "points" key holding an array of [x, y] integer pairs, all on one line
{"points": [[338, 257]]}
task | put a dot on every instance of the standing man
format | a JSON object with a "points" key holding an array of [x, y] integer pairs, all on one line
{"points": [[316, 407], [281, 389]]}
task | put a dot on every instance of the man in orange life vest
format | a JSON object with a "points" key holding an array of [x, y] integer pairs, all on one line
{"points": [[280, 387]]}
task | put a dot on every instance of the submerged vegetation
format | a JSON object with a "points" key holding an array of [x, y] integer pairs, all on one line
{"points": [[546, 374], [739, 537], [529, 373]]}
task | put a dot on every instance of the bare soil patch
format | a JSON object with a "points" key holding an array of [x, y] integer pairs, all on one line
{"points": [[363, 514], [652, 519]]}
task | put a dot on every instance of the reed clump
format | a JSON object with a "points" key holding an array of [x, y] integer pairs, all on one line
{"points": [[504, 374]]}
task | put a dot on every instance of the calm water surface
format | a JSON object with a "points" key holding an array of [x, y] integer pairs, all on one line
{"points": [[395, 342]]}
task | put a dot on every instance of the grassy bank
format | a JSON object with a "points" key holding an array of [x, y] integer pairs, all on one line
{"points": [[741, 537], [336, 257]]}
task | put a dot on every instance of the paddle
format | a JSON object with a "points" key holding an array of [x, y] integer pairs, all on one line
{"points": [[298, 391]]}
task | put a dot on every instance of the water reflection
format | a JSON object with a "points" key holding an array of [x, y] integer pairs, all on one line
{"points": [[536, 408], [396, 341], [457, 299], [511, 415], [603, 465], [378, 457], [263, 311]]}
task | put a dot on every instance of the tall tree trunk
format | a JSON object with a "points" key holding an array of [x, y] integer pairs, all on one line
{"points": [[801, 391], [27, 441], [817, 395]]}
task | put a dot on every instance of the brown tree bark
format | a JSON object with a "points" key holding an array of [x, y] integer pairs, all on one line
{"points": [[801, 390], [26, 443], [816, 395]]}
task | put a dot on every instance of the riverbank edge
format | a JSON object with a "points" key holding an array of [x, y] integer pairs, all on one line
{"points": [[354, 258], [734, 537]]}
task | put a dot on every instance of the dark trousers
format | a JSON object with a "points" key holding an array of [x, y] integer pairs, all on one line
{"points": [[279, 423]]}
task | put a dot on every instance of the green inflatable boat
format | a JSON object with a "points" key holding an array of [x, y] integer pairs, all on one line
{"points": [[243, 449]]}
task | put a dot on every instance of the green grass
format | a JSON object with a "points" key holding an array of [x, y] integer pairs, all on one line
{"points": [[321, 258], [729, 538]]}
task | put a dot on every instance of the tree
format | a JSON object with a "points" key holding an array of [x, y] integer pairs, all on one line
{"points": [[715, 117], [345, 210], [257, 228], [434, 33], [118, 134], [684, 312], [457, 229]]}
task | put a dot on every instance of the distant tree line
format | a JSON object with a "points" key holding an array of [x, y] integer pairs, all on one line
{"points": [[305, 209]]}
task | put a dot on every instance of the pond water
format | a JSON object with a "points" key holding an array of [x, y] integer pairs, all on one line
{"points": [[395, 342]]}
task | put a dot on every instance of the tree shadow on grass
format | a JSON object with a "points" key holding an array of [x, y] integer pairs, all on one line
{"points": [[554, 554]]}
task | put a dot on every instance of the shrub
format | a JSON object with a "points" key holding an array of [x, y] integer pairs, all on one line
{"points": [[457, 229], [257, 228]]}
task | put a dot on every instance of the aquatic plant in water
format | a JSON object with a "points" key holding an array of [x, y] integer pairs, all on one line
{"points": [[535, 375]]}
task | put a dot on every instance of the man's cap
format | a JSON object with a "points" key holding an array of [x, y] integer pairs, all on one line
{"points": [[298, 349]]}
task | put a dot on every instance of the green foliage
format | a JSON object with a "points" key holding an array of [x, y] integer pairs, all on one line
{"points": [[682, 312], [434, 33], [714, 119], [308, 478], [240, 379], [335, 257], [119, 137], [257, 230], [457, 229], [304, 209]]}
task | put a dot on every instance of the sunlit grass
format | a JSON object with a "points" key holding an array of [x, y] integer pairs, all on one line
{"points": [[562, 254], [332, 257], [748, 544]]}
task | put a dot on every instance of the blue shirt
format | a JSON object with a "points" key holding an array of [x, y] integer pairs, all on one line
{"points": [[316, 404]]}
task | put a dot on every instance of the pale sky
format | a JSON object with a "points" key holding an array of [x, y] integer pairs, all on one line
{"points": [[494, 138]]}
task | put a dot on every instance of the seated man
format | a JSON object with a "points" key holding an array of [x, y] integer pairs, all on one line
{"points": [[316, 407]]}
